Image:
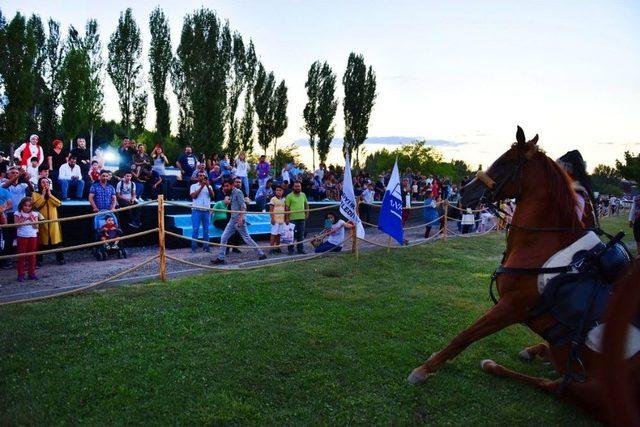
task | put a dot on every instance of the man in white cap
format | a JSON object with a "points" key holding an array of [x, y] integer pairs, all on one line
{"points": [[26, 151]]}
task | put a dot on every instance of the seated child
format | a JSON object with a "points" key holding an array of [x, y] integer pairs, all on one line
{"points": [[110, 231]]}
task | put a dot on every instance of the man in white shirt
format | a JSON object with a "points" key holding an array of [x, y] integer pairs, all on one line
{"points": [[320, 171], [367, 201], [126, 196], [201, 193], [70, 175], [285, 173]]}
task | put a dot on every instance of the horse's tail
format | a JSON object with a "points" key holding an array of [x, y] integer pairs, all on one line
{"points": [[620, 387]]}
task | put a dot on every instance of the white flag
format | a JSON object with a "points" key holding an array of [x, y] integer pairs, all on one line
{"points": [[348, 200]]}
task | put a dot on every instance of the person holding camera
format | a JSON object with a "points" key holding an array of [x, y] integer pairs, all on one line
{"points": [[201, 193]]}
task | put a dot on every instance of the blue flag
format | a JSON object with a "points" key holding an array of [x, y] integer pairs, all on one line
{"points": [[390, 220]]}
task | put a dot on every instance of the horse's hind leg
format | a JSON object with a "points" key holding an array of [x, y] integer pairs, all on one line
{"points": [[529, 353], [587, 395], [491, 367]]}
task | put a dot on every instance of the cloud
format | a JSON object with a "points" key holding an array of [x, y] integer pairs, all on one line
{"points": [[392, 140], [401, 78]]}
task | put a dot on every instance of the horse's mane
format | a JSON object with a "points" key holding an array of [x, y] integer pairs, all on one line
{"points": [[559, 189]]}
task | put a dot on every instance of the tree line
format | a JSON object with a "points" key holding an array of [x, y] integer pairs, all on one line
{"points": [[52, 84]]}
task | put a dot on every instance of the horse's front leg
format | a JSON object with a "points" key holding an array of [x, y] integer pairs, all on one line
{"points": [[498, 317]]}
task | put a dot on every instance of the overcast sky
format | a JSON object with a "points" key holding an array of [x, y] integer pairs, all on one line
{"points": [[462, 73]]}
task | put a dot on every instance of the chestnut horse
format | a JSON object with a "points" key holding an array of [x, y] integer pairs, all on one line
{"points": [[546, 221], [621, 377]]}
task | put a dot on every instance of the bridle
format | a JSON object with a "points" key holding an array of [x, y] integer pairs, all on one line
{"points": [[492, 188]]}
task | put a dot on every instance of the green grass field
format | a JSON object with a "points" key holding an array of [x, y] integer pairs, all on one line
{"points": [[329, 341]]}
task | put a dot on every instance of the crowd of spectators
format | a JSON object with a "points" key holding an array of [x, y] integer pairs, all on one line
{"points": [[43, 180]]}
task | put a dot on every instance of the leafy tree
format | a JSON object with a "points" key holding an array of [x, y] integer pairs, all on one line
{"points": [[359, 96], [327, 107], [246, 126], [94, 91], [200, 74], [91, 46], [76, 74], [310, 112], [280, 122], [36, 28], [419, 157], [124, 66], [263, 98], [139, 112], [159, 66], [235, 90], [55, 50], [630, 169], [185, 112], [18, 55], [606, 180]]}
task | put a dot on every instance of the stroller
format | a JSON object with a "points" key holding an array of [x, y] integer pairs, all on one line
{"points": [[106, 227]]}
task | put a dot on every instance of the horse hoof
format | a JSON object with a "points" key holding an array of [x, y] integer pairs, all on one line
{"points": [[416, 377], [525, 356], [487, 365]]}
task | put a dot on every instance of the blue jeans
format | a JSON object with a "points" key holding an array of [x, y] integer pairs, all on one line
{"points": [[262, 182], [229, 230], [245, 185], [139, 189], [198, 217], [66, 183]]}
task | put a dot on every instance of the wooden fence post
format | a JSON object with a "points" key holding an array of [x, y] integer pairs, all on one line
{"points": [[446, 219], [161, 239]]}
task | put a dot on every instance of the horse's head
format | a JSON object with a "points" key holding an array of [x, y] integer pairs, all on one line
{"points": [[503, 179]]}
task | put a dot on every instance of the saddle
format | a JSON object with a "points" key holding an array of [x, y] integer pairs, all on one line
{"points": [[577, 300]]}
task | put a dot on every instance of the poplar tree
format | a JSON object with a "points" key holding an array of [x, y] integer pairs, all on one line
{"points": [[200, 74], [94, 91], [36, 29], [124, 66], [246, 126], [18, 61], [263, 98], [75, 77], [159, 67], [327, 107], [235, 90], [279, 115], [310, 112], [359, 96], [139, 112], [55, 49]]}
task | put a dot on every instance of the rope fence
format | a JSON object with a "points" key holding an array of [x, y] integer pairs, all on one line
{"points": [[77, 217], [163, 256]]}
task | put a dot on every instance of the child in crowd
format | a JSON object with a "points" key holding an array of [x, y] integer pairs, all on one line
{"points": [[32, 170], [27, 236], [109, 230], [334, 227], [94, 172], [277, 209], [430, 213]]}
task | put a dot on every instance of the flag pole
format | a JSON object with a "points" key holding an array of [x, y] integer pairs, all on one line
{"points": [[355, 232]]}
